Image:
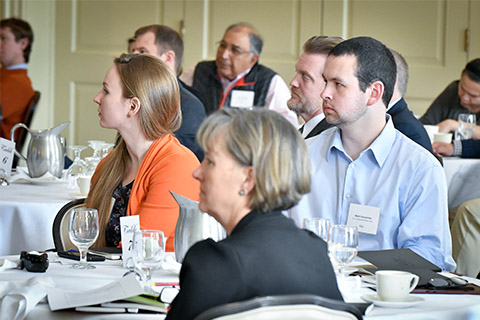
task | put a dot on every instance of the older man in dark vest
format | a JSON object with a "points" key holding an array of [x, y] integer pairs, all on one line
{"points": [[236, 79]]}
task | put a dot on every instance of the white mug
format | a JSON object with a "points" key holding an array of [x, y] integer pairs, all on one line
{"points": [[84, 184], [443, 137], [395, 285]]}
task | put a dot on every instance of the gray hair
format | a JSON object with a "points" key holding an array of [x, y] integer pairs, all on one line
{"points": [[402, 72], [266, 141], [256, 41]]}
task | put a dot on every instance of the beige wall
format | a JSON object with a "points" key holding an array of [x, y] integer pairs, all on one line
{"points": [[75, 41]]}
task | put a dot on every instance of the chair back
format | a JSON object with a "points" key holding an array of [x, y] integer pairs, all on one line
{"points": [[22, 136], [60, 226], [291, 307]]}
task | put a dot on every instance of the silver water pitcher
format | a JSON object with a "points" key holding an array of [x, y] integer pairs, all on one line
{"points": [[193, 226], [45, 152]]}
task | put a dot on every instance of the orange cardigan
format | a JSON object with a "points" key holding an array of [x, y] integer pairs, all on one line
{"points": [[15, 93], [168, 165]]}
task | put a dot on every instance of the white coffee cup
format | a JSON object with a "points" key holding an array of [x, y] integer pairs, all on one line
{"points": [[395, 285], [84, 184], [443, 137], [431, 130]]}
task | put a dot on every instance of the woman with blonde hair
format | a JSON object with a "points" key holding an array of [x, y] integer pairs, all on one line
{"points": [[255, 165], [140, 99]]}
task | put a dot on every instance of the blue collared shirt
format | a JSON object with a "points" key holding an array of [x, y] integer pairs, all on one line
{"points": [[17, 66], [394, 174]]}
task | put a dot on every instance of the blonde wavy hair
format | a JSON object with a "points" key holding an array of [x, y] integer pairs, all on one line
{"points": [[151, 81], [266, 141]]}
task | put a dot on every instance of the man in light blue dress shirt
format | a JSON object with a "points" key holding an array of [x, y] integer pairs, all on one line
{"points": [[365, 172]]}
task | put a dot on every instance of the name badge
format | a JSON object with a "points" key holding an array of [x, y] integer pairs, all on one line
{"points": [[365, 218], [7, 148], [128, 226], [242, 99]]}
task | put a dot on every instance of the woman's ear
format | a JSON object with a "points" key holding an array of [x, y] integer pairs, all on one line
{"points": [[134, 106], [249, 182]]}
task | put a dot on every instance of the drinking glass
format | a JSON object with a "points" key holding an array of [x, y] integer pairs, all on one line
{"points": [[77, 168], [319, 226], [342, 245], [97, 147], [106, 148], [148, 251], [466, 125], [83, 232]]}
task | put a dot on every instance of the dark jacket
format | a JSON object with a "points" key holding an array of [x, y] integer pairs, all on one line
{"points": [[193, 113], [266, 254], [405, 122]]}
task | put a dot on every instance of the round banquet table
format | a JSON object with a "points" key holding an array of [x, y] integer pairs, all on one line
{"points": [[27, 212]]}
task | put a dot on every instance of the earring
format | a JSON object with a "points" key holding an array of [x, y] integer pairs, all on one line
{"points": [[241, 192]]}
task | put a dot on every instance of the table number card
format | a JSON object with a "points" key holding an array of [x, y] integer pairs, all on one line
{"points": [[7, 148], [128, 226]]}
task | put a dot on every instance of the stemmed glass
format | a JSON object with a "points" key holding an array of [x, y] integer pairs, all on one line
{"points": [[342, 245], [466, 125], [83, 232], [106, 148], [97, 146], [319, 226], [77, 168], [148, 251]]}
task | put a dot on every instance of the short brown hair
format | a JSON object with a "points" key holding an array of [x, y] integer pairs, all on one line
{"points": [[320, 44], [20, 29], [166, 39]]}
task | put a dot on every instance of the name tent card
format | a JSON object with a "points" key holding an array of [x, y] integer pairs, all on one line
{"points": [[128, 226], [7, 148]]}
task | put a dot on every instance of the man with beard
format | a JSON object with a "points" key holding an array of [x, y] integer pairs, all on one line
{"points": [[308, 83], [365, 172]]}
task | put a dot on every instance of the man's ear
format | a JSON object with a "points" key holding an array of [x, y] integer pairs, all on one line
{"points": [[169, 57], [23, 43], [254, 58], [135, 106], [375, 91]]}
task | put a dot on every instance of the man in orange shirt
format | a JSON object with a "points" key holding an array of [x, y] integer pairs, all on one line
{"points": [[16, 38]]}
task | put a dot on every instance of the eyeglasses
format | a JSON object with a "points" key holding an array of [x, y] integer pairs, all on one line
{"points": [[234, 50], [447, 283]]}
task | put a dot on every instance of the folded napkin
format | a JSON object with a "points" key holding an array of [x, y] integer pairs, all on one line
{"points": [[18, 298], [6, 264], [170, 264], [22, 174]]}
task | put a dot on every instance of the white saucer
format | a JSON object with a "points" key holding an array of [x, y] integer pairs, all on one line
{"points": [[411, 301], [77, 195]]}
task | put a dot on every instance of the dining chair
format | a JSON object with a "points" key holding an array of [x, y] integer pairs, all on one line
{"points": [[27, 120], [291, 307], [60, 226]]}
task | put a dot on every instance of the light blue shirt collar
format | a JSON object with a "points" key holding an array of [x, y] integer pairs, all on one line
{"points": [[17, 66], [380, 147]]}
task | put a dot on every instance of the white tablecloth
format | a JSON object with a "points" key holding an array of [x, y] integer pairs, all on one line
{"points": [[435, 306], [463, 179], [27, 212], [82, 280]]}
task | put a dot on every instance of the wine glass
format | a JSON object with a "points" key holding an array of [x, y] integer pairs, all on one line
{"points": [[83, 232], [106, 148], [77, 168], [466, 125], [148, 251], [319, 226], [342, 245]]}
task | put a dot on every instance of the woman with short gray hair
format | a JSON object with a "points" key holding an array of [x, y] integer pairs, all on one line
{"points": [[255, 165]]}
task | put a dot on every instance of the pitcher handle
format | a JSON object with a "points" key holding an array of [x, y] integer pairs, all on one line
{"points": [[12, 138]]}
